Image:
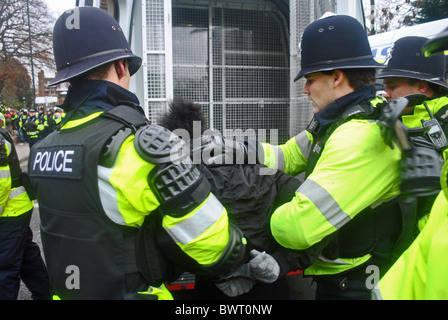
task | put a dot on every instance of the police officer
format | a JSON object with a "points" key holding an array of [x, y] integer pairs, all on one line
{"points": [[33, 127], [409, 72], [43, 120], [20, 257], [420, 273], [121, 211], [59, 115], [21, 122], [346, 211]]}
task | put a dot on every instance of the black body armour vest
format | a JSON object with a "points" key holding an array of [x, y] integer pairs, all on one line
{"points": [[372, 231], [88, 256]]}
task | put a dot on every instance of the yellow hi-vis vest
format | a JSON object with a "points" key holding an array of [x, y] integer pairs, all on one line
{"points": [[14, 201], [421, 271], [356, 170]]}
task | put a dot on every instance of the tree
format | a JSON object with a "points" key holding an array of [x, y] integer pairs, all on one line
{"points": [[15, 81], [15, 40], [428, 10], [390, 14], [394, 14]]}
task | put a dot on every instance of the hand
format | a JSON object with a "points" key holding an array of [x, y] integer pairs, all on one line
{"points": [[264, 267], [234, 287], [216, 150]]}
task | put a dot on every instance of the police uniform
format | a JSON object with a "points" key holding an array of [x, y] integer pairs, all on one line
{"points": [[20, 257], [116, 208], [406, 60], [346, 210], [420, 273], [33, 128]]}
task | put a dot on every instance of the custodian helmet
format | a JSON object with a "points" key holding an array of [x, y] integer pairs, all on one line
{"points": [[335, 42], [436, 45], [408, 61], [85, 38]]}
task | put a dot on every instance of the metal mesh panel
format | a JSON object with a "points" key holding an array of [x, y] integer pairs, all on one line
{"points": [[156, 76], [302, 13], [235, 62], [155, 110], [156, 59], [155, 37]]}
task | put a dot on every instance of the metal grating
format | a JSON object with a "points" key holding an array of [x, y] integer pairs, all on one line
{"points": [[155, 37], [302, 13], [156, 59], [234, 61]]}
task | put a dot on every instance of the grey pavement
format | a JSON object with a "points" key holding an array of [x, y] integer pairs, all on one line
{"points": [[23, 150]]}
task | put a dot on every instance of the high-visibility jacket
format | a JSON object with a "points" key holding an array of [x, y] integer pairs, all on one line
{"points": [[33, 127], [5, 174], [438, 106], [421, 272], [420, 113], [356, 171], [17, 199], [91, 212]]}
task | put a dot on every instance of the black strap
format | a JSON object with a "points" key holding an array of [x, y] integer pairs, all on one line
{"points": [[128, 115], [361, 111]]}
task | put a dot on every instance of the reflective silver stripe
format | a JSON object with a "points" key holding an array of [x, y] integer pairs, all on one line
{"points": [[188, 230], [304, 144], [5, 174], [16, 192], [2, 209], [279, 158], [108, 195], [326, 204], [335, 261]]}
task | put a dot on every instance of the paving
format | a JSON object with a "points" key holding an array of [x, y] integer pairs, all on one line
{"points": [[23, 151]]}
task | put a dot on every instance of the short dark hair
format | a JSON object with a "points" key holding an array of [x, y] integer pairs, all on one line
{"points": [[358, 77], [434, 87], [181, 115]]}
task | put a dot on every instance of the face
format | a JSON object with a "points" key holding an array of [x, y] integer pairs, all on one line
{"points": [[399, 87], [319, 88]]}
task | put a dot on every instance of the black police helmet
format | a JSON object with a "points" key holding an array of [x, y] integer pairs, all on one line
{"points": [[85, 38], [408, 61], [335, 42], [436, 45]]}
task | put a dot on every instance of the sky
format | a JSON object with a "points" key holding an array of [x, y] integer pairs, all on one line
{"points": [[59, 6]]}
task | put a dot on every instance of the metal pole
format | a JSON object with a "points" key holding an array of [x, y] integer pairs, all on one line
{"points": [[31, 51]]}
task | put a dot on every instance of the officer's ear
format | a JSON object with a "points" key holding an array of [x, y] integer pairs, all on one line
{"points": [[422, 87], [338, 77], [121, 68]]}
